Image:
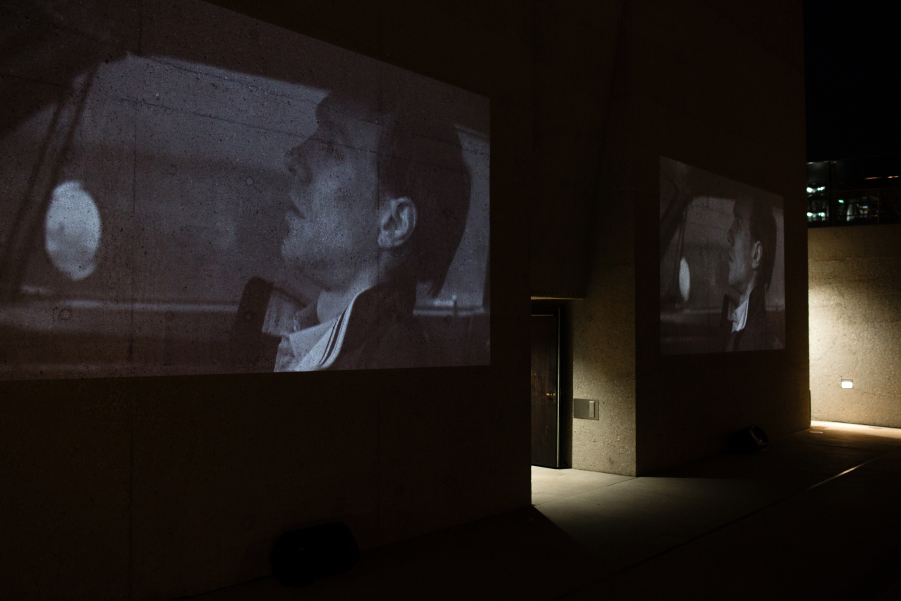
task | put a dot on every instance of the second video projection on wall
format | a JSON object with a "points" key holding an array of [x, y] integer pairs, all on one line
{"points": [[186, 190], [722, 273]]}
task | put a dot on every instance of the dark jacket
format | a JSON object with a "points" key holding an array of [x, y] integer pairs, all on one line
{"points": [[756, 335], [382, 331]]}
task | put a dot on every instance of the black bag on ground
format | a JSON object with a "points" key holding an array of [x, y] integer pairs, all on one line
{"points": [[748, 440], [301, 556]]}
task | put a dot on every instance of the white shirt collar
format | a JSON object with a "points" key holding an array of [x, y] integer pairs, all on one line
{"points": [[740, 316], [316, 347]]}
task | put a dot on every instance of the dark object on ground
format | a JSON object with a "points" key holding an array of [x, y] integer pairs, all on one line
{"points": [[301, 556], [748, 440]]}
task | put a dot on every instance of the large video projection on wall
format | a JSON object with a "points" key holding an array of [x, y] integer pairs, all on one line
{"points": [[185, 190], [722, 273]]}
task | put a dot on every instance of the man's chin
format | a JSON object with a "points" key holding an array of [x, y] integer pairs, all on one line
{"points": [[289, 252], [293, 262], [734, 295], [298, 264]]}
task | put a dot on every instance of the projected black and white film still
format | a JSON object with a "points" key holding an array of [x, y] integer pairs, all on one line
{"points": [[226, 202], [722, 276]]}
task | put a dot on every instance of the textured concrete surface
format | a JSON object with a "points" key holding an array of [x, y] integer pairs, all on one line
{"points": [[66, 501], [554, 484], [812, 517], [603, 343], [571, 111], [751, 130], [855, 323], [660, 411], [178, 485], [184, 491]]}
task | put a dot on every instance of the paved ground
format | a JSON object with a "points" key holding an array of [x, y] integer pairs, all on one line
{"points": [[814, 516]]}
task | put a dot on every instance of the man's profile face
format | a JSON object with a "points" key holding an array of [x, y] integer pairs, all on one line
{"points": [[333, 223], [741, 248]]}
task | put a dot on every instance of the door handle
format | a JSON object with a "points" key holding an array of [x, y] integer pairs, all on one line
{"points": [[552, 397]]}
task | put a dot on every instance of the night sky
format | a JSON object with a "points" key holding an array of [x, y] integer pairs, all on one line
{"points": [[853, 74]]}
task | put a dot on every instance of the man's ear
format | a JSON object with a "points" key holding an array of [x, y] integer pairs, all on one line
{"points": [[756, 254], [397, 220]]}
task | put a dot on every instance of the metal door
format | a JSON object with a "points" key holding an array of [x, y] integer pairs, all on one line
{"points": [[545, 387]]}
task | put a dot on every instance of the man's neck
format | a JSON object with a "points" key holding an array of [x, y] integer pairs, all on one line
{"points": [[332, 302], [744, 296]]}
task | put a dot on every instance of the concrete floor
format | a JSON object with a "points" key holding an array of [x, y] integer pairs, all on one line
{"points": [[817, 515]]}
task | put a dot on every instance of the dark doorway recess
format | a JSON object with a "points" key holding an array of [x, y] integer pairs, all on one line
{"points": [[546, 387]]}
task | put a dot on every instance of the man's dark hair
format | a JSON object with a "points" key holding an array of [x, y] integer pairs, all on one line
{"points": [[763, 229], [420, 157]]}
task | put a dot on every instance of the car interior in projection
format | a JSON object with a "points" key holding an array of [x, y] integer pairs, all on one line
{"points": [[722, 275], [258, 202]]}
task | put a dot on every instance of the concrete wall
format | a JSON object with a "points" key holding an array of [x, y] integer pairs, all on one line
{"points": [[159, 487], [604, 322], [578, 249], [855, 324], [155, 488], [574, 50], [718, 86], [725, 94]]}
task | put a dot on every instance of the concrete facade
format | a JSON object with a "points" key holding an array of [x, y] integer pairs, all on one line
{"points": [[855, 324], [161, 487], [719, 87], [154, 488]]}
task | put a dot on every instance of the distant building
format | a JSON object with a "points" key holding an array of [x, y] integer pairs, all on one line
{"points": [[854, 191]]}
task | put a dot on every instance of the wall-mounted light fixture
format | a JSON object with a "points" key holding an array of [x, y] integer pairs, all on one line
{"points": [[847, 383]]}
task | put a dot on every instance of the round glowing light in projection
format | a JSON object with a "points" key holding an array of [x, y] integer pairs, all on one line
{"points": [[684, 280], [72, 231]]}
